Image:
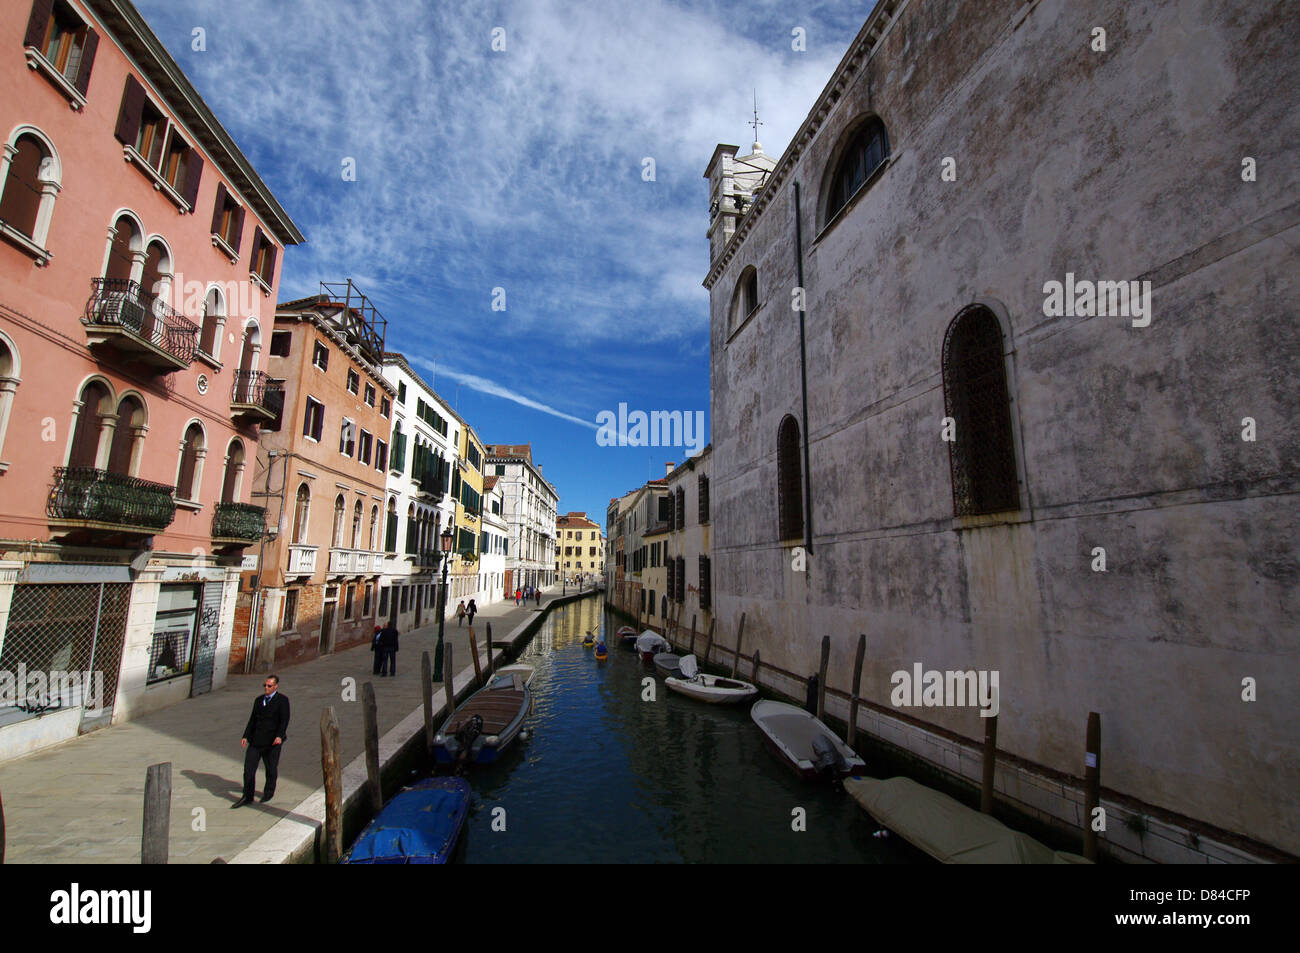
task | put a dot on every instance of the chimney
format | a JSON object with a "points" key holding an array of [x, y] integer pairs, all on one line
{"points": [[669, 467]]}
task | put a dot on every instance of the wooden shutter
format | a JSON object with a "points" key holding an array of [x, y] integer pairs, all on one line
{"points": [[218, 208], [38, 23], [193, 172], [87, 61], [268, 273], [128, 117], [239, 229]]}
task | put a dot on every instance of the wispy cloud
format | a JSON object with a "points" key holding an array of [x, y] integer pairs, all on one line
{"points": [[493, 389]]}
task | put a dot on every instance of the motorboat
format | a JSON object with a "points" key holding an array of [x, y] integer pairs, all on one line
{"points": [[946, 829], [627, 636], [421, 825], [649, 644], [667, 664], [803, 742], [489, 720], [527, 671], [713, 689]]}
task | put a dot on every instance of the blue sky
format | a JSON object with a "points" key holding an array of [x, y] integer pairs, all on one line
{"points": [[519, 169]]}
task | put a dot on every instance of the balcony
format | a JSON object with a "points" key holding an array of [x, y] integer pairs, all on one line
{"points": [[302, 560], [255, 396], [355, 562], [87, 498], [123, 314], [238, 524]]}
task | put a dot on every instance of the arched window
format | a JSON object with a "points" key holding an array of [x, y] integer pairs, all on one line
{"points": [[9, 380], [336, 536], [744, 300], [301, 510], [30, 176], [390, 531], [356, 525], [789, 480], [128, 436], [411, 529], [252, 346], [214, 321], [374, 527], [90, 429], [867, 149], [234, 474], [125, 249], [982, 455], [193, 449]]}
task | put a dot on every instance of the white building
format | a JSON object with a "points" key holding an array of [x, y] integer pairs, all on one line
{"points": [[493, 542], [530, 510], [422, 454]]}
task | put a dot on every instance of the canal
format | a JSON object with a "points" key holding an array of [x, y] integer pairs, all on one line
{"points": [[609, 778]]}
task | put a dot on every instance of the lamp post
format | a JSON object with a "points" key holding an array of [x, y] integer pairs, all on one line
{"points": [[444, 542]]}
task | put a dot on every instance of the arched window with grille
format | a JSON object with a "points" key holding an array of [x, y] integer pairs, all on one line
{"points": [[789, 480], [982, 455], [867, 150], [89, 432], [128, 436]]}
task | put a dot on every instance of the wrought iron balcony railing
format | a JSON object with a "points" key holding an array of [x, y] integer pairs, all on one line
{"points": [[256, 394], [112, 500], [121, 310], [242, 521]]}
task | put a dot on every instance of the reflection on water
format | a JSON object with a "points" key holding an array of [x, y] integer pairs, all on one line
{"points": [[607, 777]]}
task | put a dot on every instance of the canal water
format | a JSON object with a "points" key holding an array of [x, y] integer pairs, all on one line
{"points": [[609, 778]]}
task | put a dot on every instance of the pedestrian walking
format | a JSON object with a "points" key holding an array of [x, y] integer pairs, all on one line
{"points": [[263, 739], [460, 613], [517, 595], [374, 647], [471, 610], [537, 594], [387, 650]]}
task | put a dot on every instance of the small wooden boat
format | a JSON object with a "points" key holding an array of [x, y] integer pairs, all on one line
{"points": [[803, 742], [627, 636], [668, 665], [602, 652], [421, 825], [527, 671], [485, 725], [649, 644], [713, 689], [946, 829]]}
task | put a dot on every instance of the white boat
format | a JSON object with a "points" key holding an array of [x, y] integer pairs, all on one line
{"points": [[803, 742], [668, 665], [649, 644], [713, 689], [626, 635], [519, 668]]}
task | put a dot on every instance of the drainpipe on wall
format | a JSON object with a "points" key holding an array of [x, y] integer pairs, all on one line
{"points": [[803, 377]]}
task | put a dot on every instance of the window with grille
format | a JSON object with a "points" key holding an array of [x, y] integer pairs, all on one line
{"points": [[290, 610], [867, 151], [703, 493], [680, 507], [706, 583], [789, 485], [982, 455]]}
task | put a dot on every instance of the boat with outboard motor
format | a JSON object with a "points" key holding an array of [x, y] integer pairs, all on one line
{"points": [[488, 722], [668, 665], [649, 644], [421, 825], [803, 742]]}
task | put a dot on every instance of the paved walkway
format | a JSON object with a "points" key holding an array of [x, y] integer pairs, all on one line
{"points": [[82, 801]]}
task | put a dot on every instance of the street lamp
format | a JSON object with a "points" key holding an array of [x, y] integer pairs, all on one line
{"points": [[445, 544]]}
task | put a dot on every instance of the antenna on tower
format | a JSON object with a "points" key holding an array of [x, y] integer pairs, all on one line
{"points": [[756, 122]]}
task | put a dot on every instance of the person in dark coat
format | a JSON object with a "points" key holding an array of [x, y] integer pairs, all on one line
{"points": [[537, 595], [386, 644], [471, 610], [263, 739], [374, 647]]}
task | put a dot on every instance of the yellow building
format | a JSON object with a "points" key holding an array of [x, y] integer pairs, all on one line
{"points": [[579, 549], [467, 580]]}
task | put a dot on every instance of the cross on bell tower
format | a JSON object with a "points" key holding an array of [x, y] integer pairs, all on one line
{"points": [[756, 122]]}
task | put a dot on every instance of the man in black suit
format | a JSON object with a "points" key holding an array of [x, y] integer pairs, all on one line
{"points": [[263, 737], [386, 643]]}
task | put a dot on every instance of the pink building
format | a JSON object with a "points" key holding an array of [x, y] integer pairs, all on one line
{"points": [[139, 264]]}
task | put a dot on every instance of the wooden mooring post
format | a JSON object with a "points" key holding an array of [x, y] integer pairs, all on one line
{"points": [[855, 698], [708, 643], [426, 689], [753, 676], [448, 680], [821, 677], [473, 651], [370, 714], [1091, 785], [491, 667], [156, 833], [332, 771], [990, 764], [740, 637]]}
